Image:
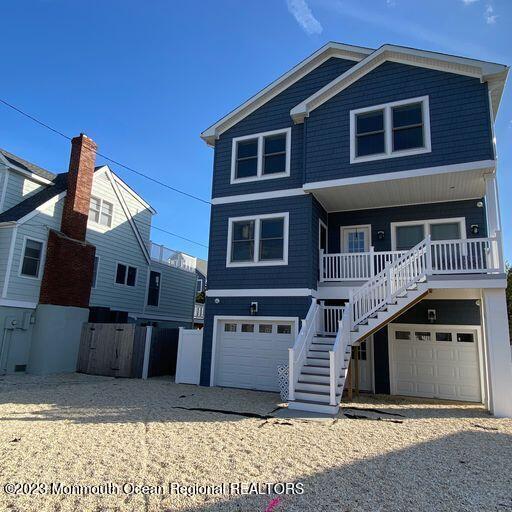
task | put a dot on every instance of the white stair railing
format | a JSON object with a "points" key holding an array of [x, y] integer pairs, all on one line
{"points": [[337, 357], [298, 353], [331, 316]]}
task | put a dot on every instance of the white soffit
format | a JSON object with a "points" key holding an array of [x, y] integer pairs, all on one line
{"points": [[342, 51], [450, 186]]}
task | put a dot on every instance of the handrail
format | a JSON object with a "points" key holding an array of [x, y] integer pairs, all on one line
{"points": [[336, 355], [297, 354]]}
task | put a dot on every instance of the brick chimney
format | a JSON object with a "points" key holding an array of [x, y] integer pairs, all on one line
{"points": [[69, 262], [78, 198]]}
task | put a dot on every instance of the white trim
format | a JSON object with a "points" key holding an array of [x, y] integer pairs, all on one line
{"points": [[470, 281], [159, 288], [126, 211], [127, 265], [222, 318], [257, 221], [18, 304], [393, 327], [413, 173], [322, 224], [52, 201], [260, 137], [4, 190], [41, 261], [400, 54], [9, 262], [355, 226], [342, 51], [426, 227], [259, 196], [262, 292], [388, 130]]}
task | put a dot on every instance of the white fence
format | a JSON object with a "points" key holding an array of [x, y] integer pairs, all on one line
{"points": [[199, 311], [188, 363]]}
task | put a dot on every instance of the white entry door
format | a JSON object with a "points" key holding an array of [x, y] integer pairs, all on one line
{"points": [[355, 239], [365, 364], [249, 351], [435, 361]]}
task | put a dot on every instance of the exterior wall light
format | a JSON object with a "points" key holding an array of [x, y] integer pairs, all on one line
{"points": [[475, 228], [254, 308], [380, 235], [431, 315]]}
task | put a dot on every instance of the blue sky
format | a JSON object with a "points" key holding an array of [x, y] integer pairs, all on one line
{"points": [[143, 79]]}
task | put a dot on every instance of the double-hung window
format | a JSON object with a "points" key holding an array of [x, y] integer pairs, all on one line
{"points": [[126, 275], [261, 156], [258, 240], [31, 262], [101, 211], [390, 130]]}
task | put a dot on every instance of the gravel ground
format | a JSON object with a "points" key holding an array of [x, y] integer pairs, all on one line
{"points": [[77, 429]]}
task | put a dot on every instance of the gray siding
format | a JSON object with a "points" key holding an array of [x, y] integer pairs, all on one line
{"points": [[459, 117], [275, 114], [381, 218], [298, 272], [239, 306], [19, 188]]}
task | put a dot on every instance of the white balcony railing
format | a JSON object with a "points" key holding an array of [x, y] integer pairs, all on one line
{"points": [[173, 258], [199, 311], [466, 256]]}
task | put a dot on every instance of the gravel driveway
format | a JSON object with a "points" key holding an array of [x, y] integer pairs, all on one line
{"points": [[76, 429]]}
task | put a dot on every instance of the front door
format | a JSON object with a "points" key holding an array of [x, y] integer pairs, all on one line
{"points": [[355, 239], [365, 365]]}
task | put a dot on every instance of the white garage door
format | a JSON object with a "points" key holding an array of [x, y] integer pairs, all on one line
{"points": [[436, 362], [248, 352]]}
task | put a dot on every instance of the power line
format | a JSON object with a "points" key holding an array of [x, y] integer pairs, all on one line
{"points": [[173, 234], [128, 168]]}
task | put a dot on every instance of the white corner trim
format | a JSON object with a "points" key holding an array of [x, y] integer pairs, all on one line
{"points": [[260, 137], [4, 190], [18, 304], [51, 202], [9, 262], [263, 292], [388, 130], [342, 51], [126, 211], [257, 196], [257, 222], [392, 53], [223, 318], [484, 165]]}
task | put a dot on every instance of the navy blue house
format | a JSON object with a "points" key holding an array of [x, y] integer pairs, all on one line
{"points": [[355, 232]]}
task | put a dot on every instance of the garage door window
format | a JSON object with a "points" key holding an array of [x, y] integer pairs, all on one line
{"points": [[422, 336], [465, 337], [443, 336], [284, 329], [229, 327], [247, 327], [265, 328], [403, 335]]}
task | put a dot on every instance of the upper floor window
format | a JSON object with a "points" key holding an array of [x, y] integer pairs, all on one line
{"points": [[261, 156], [394, 129], [125, 274], [258, 240], [32, 258], [101, 211]]}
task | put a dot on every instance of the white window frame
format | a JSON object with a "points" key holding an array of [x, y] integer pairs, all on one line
{"points": [[159, 288], [41, 261], [126, 276], [257, 220], [199, 289], [260, 137], [322, 224], [343, 249], [426, 227], [95, 282], [101, 200], [388, 130]]}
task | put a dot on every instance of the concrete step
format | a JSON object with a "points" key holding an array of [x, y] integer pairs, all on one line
{"points": [[305, 405]]}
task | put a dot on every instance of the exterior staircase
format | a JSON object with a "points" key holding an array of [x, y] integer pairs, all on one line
{"points": [[319, 359]]}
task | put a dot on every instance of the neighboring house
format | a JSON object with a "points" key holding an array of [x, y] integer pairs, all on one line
{"points": [[201, 287], [361, 186], [123, 277]]}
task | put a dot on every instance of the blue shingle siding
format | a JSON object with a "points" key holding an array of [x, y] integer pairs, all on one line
{"points": [[459, 120], [239, 306], [275, 114], [297, 274], [380, 219]]}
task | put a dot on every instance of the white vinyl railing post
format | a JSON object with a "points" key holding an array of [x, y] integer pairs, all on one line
{"points": [[161, 254], [332, 367], [372, 261], [499, 251], [428, 248], [291, 380], [321, 266], [389, 284]]}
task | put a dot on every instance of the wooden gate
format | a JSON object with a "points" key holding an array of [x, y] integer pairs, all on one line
{"points": [[108, 349]]}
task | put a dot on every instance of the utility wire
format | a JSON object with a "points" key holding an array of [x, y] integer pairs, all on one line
{"points": [[131, 169]]}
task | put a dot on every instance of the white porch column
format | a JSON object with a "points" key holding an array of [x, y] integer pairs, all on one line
{"points": [[497, 352], [492, 204]]}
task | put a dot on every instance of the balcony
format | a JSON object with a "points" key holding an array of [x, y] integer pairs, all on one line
{"points": [[448, 257], [198, 312], [172, 258]]}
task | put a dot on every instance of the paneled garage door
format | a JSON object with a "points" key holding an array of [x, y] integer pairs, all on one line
{"points": [[436, 362], [248, 352]]}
